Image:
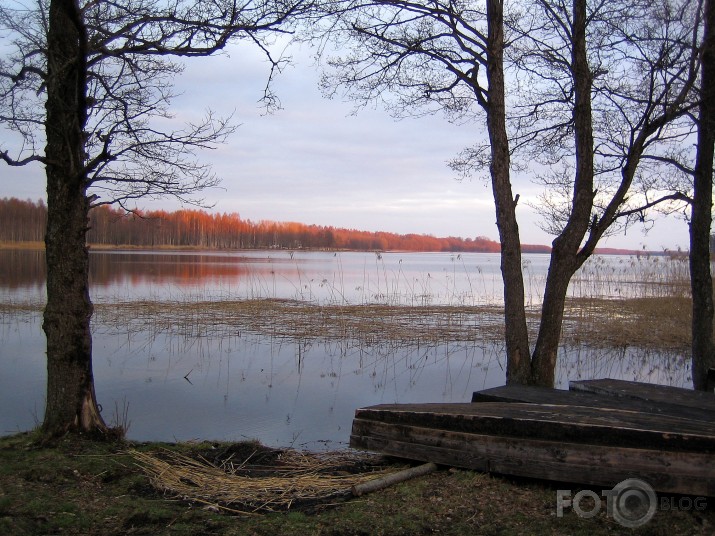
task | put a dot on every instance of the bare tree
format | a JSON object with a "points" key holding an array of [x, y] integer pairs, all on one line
{"points": [[420, 57], [605, 84], [617, 78], [92, 81]]}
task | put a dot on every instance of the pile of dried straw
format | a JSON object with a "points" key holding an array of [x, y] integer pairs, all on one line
{"points": [[298, 479]]}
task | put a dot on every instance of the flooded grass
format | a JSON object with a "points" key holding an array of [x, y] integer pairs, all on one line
{"points": [[304, 321], [638, 301], [648, 322], [656, 323]]}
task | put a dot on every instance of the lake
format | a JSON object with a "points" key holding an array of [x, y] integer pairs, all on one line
{"points": [[283, 392]]}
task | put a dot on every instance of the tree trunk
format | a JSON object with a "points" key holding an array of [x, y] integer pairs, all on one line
{"points": [[564, 256], [543, 364], [516, 334], [71, 403], [701, 282]]}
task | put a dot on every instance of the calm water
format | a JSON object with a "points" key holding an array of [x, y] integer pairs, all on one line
{"points": [[300, 393]]}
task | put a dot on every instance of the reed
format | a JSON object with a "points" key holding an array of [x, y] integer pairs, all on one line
{"points": [[639, 301], [305, 321]]}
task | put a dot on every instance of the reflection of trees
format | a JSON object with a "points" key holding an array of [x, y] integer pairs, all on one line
{"points": [[108, 268], [640, 364], [22, 268]]}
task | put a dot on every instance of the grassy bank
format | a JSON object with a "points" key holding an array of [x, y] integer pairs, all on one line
{"points": [[78, 487]]}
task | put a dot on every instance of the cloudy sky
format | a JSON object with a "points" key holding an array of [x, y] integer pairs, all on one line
{"points": [[316, 162]]}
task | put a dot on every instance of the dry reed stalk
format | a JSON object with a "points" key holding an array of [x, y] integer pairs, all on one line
{"points": [[650, 322], [662, 323], [300, 478], [301, 321]]}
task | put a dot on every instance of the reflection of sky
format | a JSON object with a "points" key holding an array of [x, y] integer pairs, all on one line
{"points": [[23, 373], [279, 392]]}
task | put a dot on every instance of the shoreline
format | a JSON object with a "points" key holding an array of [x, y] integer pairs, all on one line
{"points": [[526, 249]]}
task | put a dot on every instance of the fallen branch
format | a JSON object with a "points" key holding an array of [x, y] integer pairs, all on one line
{"points": [[393, 478]]}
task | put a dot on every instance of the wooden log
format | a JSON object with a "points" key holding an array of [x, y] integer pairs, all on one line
{"points": [[393, 478], [575, 424], [667, 471]]}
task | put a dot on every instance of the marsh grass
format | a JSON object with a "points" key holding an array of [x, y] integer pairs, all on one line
{"points": [[645, 322], [642, 276], [304, 321], [636, 301], [662, 323]]}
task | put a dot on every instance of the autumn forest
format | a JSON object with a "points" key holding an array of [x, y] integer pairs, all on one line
{"points": [[25, 221]]}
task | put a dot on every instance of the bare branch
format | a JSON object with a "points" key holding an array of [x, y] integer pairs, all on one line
{"points": [[18, 163], [133, 47]]}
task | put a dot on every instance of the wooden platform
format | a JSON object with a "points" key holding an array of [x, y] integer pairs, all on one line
{"points": [[599, 433]]}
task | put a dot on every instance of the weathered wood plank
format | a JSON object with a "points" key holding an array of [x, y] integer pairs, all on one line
{"points": [[544, 395], [666, 471], [645, 391], [578, 424]]}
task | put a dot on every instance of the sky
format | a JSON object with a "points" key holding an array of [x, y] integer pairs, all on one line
{"points": [[315, 161]]}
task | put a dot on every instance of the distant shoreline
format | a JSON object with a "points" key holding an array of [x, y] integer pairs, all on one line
{"points": [[530, 249]]}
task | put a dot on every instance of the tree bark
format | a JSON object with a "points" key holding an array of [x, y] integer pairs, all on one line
{"points": [[518, 368], [71, 404], [701, 282], [564, 256]]}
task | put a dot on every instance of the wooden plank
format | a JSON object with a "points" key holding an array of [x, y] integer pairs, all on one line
{"points": [[578, 424], [544, 395], [666, 471], [534, 395], [645, 391]]}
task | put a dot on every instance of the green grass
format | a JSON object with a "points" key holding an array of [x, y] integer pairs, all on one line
{"points": [[79, 487]]}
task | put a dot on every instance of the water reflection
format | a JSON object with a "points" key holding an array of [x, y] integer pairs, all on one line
{"points": [[231, 383], [331, 277], [319, 277], [283, 392], [22, 268]]}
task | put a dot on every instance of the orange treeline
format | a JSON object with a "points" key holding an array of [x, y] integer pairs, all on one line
{"points": [[22, 221], [198, 228]]}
